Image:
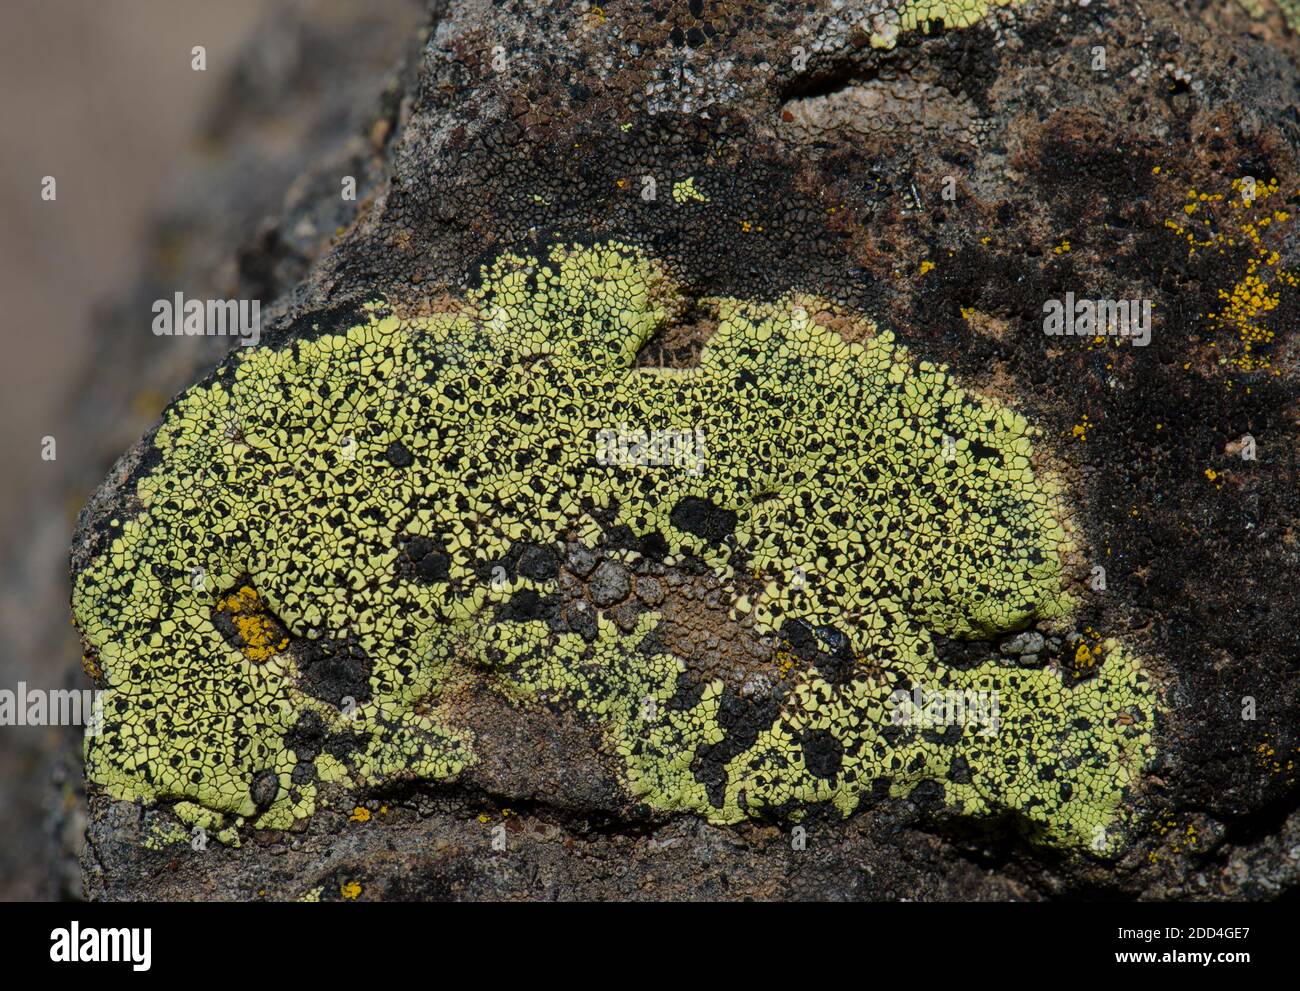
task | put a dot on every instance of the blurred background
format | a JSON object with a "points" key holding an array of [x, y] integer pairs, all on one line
{"points": [[168, 180], [102, 97]]}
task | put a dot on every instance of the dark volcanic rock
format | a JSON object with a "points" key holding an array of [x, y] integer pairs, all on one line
{"points": [[948, 183]]}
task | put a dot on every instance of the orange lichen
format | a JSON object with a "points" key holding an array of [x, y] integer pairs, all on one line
{"points": [[1257, 291], [259, 635]]}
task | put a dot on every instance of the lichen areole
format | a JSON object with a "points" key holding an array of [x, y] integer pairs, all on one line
{"points": [[380, 512]]}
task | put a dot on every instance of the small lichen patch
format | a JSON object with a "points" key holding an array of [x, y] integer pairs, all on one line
{"points": [[684, 191], [922, 15], [243, 619], [1289, 9], [1247, 230]]}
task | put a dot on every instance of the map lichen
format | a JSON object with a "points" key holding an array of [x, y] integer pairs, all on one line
{"points": [[379, 510]]}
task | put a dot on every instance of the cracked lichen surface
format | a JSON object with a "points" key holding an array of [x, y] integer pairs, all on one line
{"points": [[922, 15], [396, 497]]}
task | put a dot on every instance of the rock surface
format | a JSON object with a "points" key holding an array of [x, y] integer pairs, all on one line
{"points": [[940, 182]]}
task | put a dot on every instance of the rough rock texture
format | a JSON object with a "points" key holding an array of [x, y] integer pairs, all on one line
{"points": [[677, 684]]}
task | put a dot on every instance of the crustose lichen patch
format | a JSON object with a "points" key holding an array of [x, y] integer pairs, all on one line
{"points": [[413, 498]]}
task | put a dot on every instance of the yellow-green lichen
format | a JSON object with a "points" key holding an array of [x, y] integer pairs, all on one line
{"points": [[919, 15], [1289, 9], [160, 833], [684, 191], [372, 489]]}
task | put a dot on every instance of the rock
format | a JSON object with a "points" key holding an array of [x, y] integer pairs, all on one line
{"points": [[931, 196], [625, 616], [538, 563], [610, 583], [650, 591], [1028, 642], [582, 621], [581, 560]]}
